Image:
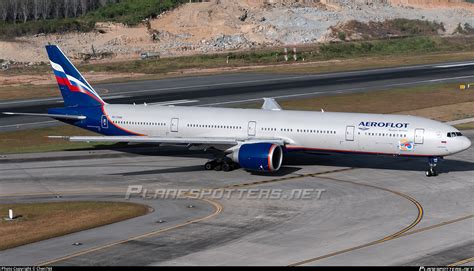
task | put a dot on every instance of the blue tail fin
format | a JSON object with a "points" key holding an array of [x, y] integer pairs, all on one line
{"points": [[75, 90]]}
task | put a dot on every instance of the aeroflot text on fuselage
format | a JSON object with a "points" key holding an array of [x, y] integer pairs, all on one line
{"points": [[367, 124]]}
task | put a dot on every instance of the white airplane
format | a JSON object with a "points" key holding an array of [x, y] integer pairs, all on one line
{"points": [[255, 139]]}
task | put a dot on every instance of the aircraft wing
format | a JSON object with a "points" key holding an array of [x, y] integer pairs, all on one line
{"points": [[170, 140]]}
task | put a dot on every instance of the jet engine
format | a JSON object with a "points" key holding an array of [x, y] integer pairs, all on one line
{"points": [[259, 156]]}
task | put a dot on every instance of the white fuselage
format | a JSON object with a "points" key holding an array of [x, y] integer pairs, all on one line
{"points": [[304, 130]]}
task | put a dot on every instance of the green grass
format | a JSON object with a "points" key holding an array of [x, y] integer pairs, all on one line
{"points": [[410, 50], [9, 30], [398, 47], [132, 12], [465, 126], [35, 140], [443, 102], [40, 221]]}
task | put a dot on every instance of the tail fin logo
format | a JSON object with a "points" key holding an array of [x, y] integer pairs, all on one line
{"points": [[72, 83]]}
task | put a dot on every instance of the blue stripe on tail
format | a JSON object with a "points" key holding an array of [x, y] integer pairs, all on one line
{"points": [[75, 89]]}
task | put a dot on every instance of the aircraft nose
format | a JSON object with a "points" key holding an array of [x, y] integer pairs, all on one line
{"points": [[466, 143]]}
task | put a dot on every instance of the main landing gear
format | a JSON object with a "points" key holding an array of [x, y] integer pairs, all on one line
{"points": [[224, 164], [432, 161]]}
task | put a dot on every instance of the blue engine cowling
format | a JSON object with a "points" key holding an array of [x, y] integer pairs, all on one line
{"points": [[259, 156]]}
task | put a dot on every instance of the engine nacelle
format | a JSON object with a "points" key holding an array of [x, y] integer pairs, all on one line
{"points": [[259, 156]]}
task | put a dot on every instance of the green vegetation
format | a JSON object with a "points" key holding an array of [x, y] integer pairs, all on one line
{"points": [[341, 36], [413, 46], [40, 221], [8, 30], [465, 126], [443, 102], [132, 12], [129, 12], [387, 29], [467, 29], [36, 140], [415, 27], [397, 46]]}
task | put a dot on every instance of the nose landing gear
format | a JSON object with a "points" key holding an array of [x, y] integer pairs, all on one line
{"points": [[432, 161]]}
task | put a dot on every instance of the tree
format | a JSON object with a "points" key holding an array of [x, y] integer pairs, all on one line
{"points": [[45, 9], [36, 10], [3, 10], [75, 7], [66, 8], [57, 9], [84, 6], [25, 9], [14, 10]]}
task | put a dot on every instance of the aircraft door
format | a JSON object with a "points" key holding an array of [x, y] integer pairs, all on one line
{"points": [[104, 122], [419, 136], [174, 125], [350, 133], [252, 128]]}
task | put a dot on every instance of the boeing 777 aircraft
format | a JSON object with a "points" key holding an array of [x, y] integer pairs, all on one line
{"points": [[255, 139]]}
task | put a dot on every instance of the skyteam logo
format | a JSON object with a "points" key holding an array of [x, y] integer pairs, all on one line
{"points": [[365, 125]]}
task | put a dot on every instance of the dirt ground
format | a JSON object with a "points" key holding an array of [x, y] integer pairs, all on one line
{"points": [[222, 25], [8, 80]]}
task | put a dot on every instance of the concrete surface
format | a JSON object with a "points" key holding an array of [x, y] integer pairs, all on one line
{"points": [[374, 210]]}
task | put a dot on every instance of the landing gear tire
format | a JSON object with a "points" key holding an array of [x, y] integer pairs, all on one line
{"points": [[209, 166], [218, 167], [220, 164], [431, 172], [432, 161], [226, 167]]}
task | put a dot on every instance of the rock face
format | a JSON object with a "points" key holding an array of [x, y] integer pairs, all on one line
{"points": [[432, 3], [218, 25]]}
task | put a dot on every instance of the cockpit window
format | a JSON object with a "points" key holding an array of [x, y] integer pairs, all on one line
{"points": [[454, 134]]}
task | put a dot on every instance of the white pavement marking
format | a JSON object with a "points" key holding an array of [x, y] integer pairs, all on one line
{"points": [[341, 91], [461, 121], [30, 123], [261, 80], [455, 65], [174, 102], [31, 101], [115, 97], [451, 78]]}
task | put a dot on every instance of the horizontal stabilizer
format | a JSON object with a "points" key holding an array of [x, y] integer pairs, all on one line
{"points": [[54, 116]]}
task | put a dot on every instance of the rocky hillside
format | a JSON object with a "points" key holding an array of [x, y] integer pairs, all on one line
{"points": [[221, 25]]}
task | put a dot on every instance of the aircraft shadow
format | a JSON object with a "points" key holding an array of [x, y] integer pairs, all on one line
{"points": [[375, 162], [164, 171], [294, 161]]}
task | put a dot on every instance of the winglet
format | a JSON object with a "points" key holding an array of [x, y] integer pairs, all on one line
{"points": [[270, 104]]}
